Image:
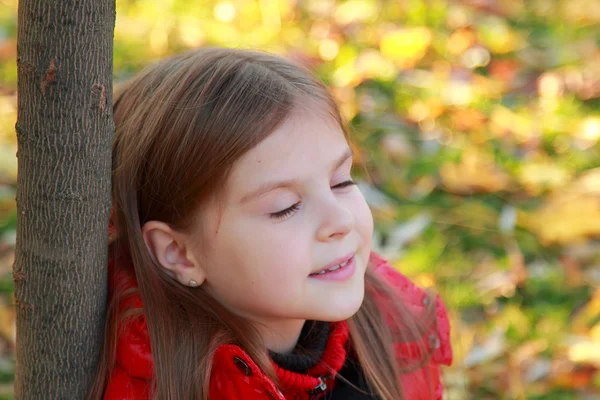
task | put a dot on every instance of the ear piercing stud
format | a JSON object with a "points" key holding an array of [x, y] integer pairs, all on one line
{"points": [[193, 283]]}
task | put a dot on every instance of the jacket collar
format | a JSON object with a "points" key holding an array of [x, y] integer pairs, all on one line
{"points": [[325, 370], [308, 350]]}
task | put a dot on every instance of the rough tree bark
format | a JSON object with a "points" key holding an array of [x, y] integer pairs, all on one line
{"points": [[64, 134]]}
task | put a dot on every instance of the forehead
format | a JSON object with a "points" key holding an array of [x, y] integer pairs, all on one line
{"points": [[305, 144]]}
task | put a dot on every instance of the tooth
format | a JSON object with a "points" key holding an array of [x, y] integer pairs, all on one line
{"points": [[322, 272]]}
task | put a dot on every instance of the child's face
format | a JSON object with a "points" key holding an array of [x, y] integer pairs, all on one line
{"points": [[260, 260]]}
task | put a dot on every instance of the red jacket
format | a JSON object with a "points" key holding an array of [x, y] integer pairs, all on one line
{"points": [[236, 376]]}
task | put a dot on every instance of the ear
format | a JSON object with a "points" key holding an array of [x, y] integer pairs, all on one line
{"points": [[171, 251]]}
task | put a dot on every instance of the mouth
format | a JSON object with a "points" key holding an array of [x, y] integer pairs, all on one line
{"points": [[335, 266]]}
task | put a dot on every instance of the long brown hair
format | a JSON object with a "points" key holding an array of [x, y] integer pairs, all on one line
{"points": [[181, 124]]}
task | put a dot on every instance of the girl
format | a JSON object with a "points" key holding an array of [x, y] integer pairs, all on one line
{"points": [[240, 266]]}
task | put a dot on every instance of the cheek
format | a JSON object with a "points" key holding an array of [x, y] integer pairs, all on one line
{"points": [[274, 254], [278, 264], [363, 219], [254, 269]]}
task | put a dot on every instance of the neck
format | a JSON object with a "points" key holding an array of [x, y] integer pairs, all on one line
{"points": [[281, 336]]}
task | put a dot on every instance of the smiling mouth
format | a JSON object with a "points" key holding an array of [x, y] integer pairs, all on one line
{"points": [[333, 268]]}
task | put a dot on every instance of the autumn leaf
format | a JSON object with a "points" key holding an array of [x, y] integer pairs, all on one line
{"points": [[406, 46], [475, 173], [571, 214]]}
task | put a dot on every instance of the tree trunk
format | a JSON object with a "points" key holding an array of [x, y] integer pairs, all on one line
{"points": [[64, 135]]}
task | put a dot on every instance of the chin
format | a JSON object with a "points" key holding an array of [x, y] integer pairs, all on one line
{"points": [[341, 308]]}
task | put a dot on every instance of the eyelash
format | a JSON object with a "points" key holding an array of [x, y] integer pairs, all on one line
{"points": [[283, 214]]}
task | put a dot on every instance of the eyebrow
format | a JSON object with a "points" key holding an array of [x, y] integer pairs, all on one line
{"points": [[270, 186]]}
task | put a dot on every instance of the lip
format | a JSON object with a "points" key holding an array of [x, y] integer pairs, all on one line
{"points": [[335, 262], [341, 274]]}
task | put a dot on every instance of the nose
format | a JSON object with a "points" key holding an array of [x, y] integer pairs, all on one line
{"points": [[336, 221]]}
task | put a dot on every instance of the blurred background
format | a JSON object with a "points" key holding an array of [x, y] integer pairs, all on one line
{"points": [[478, 124]]}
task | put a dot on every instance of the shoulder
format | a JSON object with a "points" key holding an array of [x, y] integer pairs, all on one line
{"points": [[437, 340], [133, 369], [407, 290], [417, 300], [132, 373]]}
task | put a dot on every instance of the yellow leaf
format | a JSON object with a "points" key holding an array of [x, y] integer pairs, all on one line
{"points": [[585, 351], [586, 315], [355, 11], [595, 332], [424, 280], [566, 221], [406, 46], [498, 36], [504, 121], [7, 321], [460, 41], [571, 214], [328, 49], [475, 173], [8, 117], [371, 64], [190, 31], [588, 131], [224, 11], [467, 119], [539, 176]]}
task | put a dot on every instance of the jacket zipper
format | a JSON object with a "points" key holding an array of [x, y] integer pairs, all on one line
{"points": [[320, 388]]}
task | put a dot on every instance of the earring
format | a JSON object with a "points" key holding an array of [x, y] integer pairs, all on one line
{"points": [[193, 283]]}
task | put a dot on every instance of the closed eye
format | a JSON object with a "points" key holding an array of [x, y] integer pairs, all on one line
{"points": [[344, 184], [283, 214]]}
